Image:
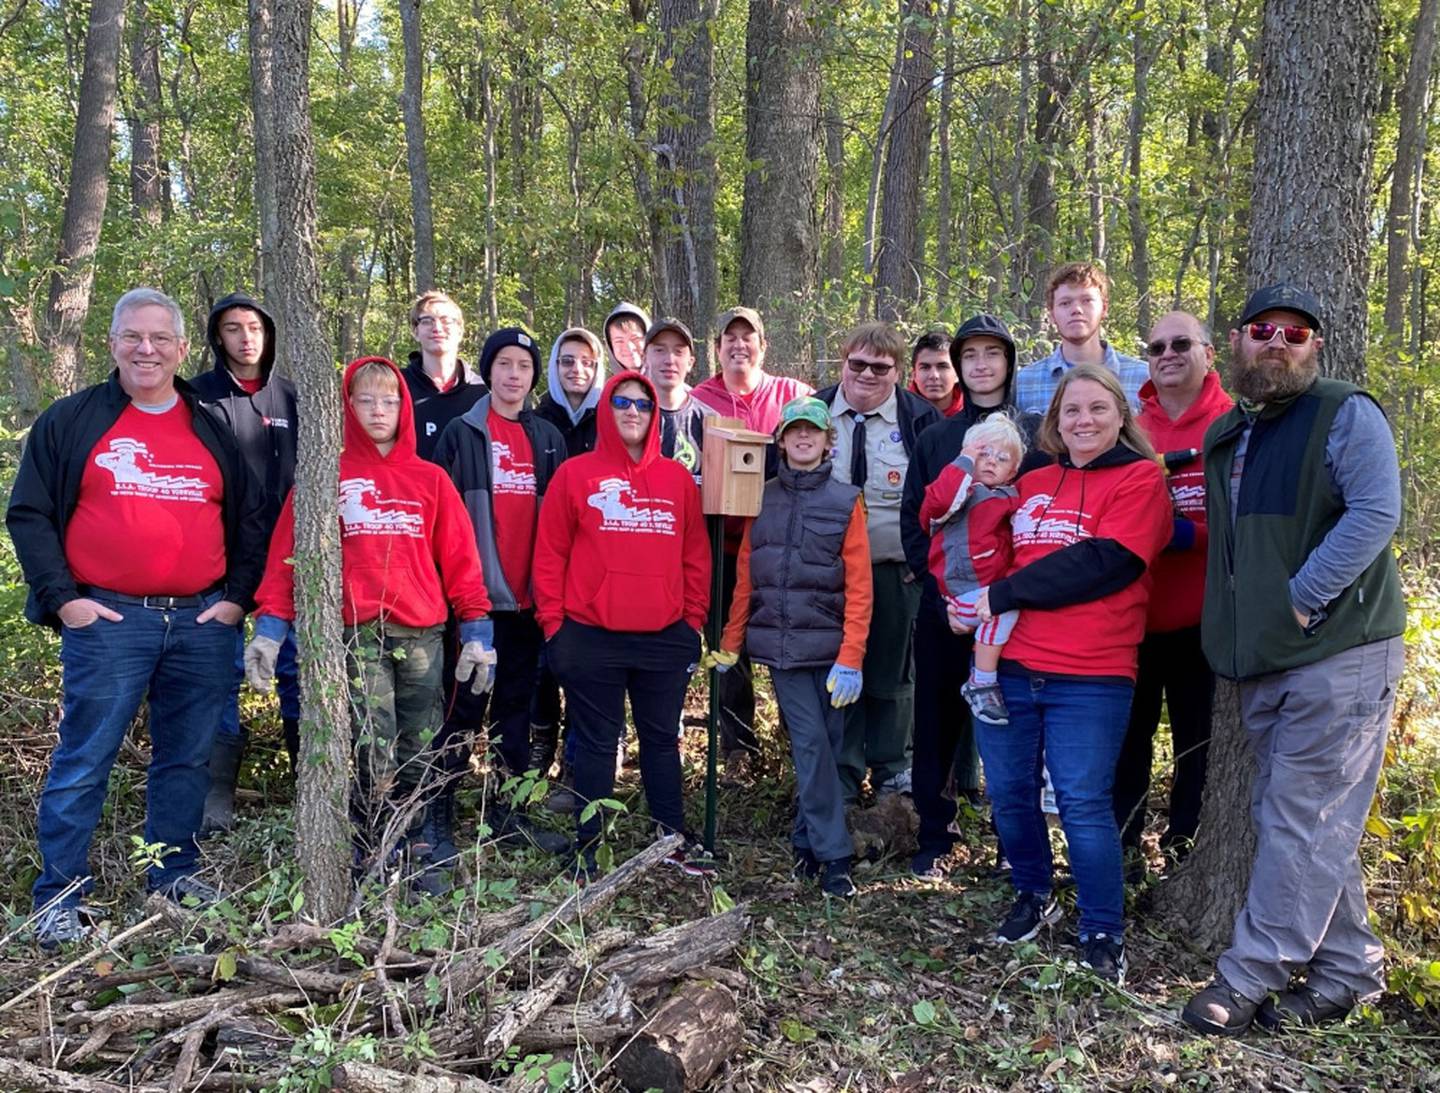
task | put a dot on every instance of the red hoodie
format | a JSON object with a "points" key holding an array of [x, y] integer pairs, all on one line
{"points": [[621, 545], [957, 399], [1178, 575], [407, 551]]}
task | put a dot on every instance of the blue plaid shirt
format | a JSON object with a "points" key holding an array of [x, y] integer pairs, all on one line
{"points": [[1036, 383]]}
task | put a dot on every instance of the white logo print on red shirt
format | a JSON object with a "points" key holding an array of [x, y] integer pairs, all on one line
{"points": [[617, 514], [364, 512], [1036, 522], [511, 475], [137, 474]]}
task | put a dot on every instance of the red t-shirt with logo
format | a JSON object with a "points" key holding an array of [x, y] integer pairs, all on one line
{"points": [[250, 387], [512, 498], [149, 519]]}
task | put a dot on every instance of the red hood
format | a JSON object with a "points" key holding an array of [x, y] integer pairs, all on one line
{"points": [[607, 433], [358, 444], [1210, 403], [957, 398]]}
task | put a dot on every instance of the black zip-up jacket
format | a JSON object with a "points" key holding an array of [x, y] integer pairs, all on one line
{"points": [[264, 423], [47, 488], [464, 453], [579, 436], [434, 408]]}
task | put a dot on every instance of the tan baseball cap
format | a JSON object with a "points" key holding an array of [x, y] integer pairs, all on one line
{"points": [[749, 314]]}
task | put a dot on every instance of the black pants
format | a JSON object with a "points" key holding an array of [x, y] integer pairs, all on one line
{"points": [[598, 668], [943, 731], [517, 651], [1172, 668], [737, 686]]}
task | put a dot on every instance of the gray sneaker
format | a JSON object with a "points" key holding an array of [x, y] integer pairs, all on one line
{"points": [[191, 891], [896, 783], [58, 925], [986, 702]]}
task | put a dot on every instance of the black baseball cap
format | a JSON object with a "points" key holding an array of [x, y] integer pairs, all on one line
{"points": [[1282, 297]]}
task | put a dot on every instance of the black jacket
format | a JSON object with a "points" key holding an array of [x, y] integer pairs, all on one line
{"points": [[464, 453], [579, 436], [47, 488], [912, 414], [264, 423], [434, 408]]}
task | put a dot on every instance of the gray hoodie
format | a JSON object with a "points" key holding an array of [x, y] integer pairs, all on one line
{"points": [[623, 310]]}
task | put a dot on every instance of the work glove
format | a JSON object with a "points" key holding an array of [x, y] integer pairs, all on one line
{"points": [[260, 657], [844, 685], [477, 655], [718, 659]]}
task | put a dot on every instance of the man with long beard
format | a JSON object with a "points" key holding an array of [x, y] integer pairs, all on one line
{"points": [[1303, 608]]}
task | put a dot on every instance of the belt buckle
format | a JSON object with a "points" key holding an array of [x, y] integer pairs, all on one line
{"points": [[159, 603]]}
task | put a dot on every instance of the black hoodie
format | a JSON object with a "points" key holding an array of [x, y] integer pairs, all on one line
{"points": [[434, 408], [263, 423]]}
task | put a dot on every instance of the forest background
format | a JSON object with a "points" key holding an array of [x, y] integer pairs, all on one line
{"points": [[917, 160]]}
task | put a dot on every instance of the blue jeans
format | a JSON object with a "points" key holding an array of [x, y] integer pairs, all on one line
{"points": [[109, 669], [1075, 727], [287, 684]]}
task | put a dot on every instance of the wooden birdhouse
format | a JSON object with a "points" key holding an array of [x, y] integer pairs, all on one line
{"points": [[732, 469]]}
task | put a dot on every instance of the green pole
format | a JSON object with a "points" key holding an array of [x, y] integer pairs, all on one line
{"points": [[716, 625]]}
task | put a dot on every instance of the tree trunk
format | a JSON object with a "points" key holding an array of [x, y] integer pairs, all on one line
{"points": [[1142, 57], [637, 60], [833, 216], [412, 99], [1409, 155], [262, 92], [1093, 182], [88, 190], [897, 277], [1313, 145], [147, 172], [869, 236], [693, 1033], [685, 158], [1042, 209], [779, 243], [944, 214], [1019, 273], [322, 828]]}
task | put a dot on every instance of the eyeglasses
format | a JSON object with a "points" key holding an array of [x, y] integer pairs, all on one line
{"points": [[1181, 344], [999, 455], [1294, 335], [624, 402], [369, 402], [568, 361], [131, 339], [443, 322], [877, 368]]}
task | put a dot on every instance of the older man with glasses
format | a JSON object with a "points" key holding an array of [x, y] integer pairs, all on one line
{"points": [[141, 533], [876, 425]]}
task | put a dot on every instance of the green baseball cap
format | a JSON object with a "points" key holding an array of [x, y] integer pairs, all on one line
{"points": [[805, 408]]}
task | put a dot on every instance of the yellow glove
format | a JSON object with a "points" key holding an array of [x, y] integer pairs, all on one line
{"points": [[718, 659]]}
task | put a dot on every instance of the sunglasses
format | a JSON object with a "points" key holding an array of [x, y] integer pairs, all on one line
{"points": [[624, 402], [1294, 335], [877, 368], [1181, 344]]}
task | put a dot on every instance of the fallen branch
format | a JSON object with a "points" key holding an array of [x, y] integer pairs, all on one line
{"points": [[15, 1074], [368, 1078], [105, 946], [195, 1032], [672, 953], [692, 1034]]}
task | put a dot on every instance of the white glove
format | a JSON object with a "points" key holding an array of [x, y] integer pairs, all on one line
{"points": [[478, 661], [260, 657]]}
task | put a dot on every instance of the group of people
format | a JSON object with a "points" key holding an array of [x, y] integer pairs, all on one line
{"points": [[994, 566]]}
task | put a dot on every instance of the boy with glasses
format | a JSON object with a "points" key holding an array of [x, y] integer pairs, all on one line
{"points": [[442, 386]]}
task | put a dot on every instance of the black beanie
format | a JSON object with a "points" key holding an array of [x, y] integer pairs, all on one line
{"points": [[509, 335]]}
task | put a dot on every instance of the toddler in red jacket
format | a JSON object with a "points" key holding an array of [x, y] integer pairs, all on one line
{"points": [[966, 512]]}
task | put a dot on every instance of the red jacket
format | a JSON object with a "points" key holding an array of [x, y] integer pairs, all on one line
{"points": [[621, 545], [1120, 497], [957, 398], [1178, 575], [760, 409], [407, 551], [969, 528]]}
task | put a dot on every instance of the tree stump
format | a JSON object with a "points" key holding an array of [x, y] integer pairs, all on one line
{"points": [[696, 1030]]}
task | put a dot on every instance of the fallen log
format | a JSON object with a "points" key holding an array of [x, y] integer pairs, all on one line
{"points": [[672, 953], [19, 1075], [581, 1024], [368, 1078], [691, 1035]]}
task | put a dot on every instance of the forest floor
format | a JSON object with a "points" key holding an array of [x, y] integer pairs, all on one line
{"points": [[898, 989]]}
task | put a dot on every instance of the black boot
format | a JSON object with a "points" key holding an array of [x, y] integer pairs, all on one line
{"points": [[225, 756], [544, 739], [291, 726]]}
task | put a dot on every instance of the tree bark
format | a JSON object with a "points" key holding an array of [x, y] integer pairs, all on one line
{"points": [[1093, 182], [412, 99], [262, 92], [1042, 209], [833, 215], [86, 195], [1314, 144], [685, 158], [148, 177], [1142, 58], [897, 278], [779, 243], [322, 828], [694, 1032], [944, 213], [637, 61], [1400, 218]]}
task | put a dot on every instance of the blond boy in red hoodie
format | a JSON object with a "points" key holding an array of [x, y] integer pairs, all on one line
{"points": [[407, 556]]}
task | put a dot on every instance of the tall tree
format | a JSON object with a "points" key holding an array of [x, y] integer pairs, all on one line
{"points": [[262, 110], [779, 241], [1142, 57], [685, 156], [898, 280], [322, 828], [1314, 143], [148, 181], [86, 196], [944, 200], [412, 98], [1400, 219]]}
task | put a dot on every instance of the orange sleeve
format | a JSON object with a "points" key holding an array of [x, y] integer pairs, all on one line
{"points": [[733, 639], [859, 589]]}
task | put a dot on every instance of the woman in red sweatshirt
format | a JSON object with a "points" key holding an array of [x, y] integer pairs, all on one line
{"points": [[1085, 530], [622, 587]]}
